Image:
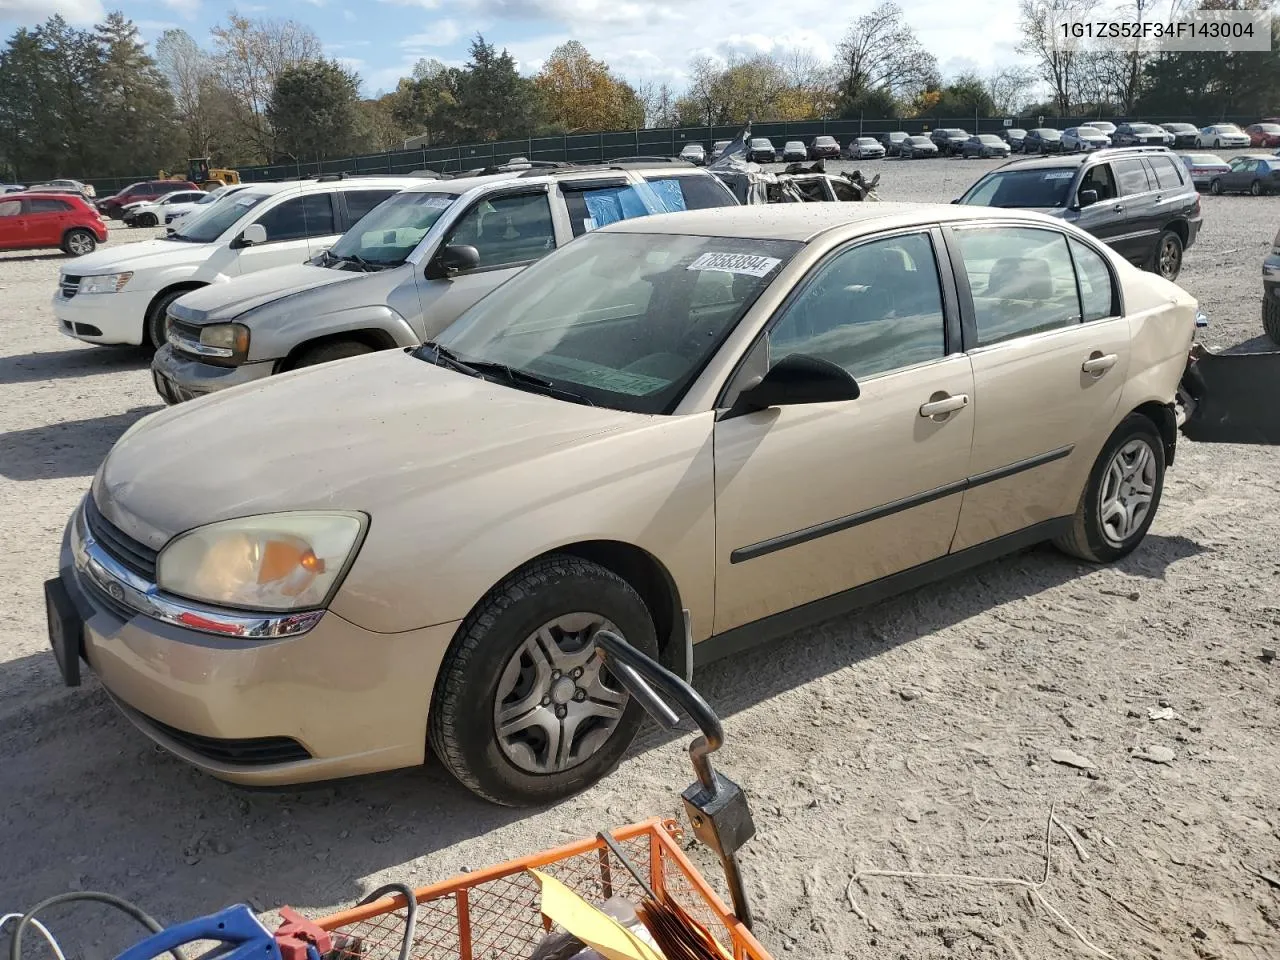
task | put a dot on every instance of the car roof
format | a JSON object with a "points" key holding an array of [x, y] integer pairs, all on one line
{"points": [[271, 187], [1078, 159], [535, 176], [805, 221], [43, 195]]}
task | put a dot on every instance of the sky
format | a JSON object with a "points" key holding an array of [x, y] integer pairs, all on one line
{"points": [[642, 40]]}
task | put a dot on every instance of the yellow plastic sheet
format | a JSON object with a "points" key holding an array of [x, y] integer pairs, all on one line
{"points": [[597, 930]]}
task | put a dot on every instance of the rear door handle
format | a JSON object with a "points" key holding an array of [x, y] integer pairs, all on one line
{"points": [[1099, 364], [942, 406]]}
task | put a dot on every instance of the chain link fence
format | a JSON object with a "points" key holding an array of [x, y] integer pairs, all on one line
{"points": [[601, 147]]}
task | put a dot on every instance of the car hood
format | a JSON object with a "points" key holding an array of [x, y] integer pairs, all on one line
{"points": [[141, 256], [226, 301], [352, 434]]}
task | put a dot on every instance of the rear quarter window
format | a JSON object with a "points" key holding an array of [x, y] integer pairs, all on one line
{"points": [[1131, 177], [1167, 173], [697, 193]]}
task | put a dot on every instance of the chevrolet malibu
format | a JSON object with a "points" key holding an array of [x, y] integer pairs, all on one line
{"points": [[698, 430]]}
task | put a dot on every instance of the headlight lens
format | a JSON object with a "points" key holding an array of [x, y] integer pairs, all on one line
{"points": [[104, 283], [276, 562], [225, 340]]}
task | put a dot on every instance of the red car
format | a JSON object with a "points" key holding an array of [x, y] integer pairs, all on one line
{"points": [[1263, 134], [32, 221], [143, 190]]}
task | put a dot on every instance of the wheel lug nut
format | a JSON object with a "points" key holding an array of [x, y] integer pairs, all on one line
{"points": [[580, 695], [561, 711], [577, 673], [546, 701], [555, 674]]}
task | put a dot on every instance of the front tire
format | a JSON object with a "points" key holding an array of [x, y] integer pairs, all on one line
{"points": [[1215, 187], [1255, 188], [523, 712], [1122, 494], [155, 328], [1271, 318]]}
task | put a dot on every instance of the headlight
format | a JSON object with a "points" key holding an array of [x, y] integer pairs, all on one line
{"points": [[224, 341], [276, 562], [104, 283]]}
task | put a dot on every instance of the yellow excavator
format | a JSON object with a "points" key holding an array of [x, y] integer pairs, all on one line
{"points": [[207, 178]]}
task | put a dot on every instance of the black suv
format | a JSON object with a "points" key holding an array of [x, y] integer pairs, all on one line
{"points": [[949, 140], [1139, 200]]}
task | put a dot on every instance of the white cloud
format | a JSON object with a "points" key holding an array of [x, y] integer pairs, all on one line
{"points": [[425, 4], [443, 33], [186, 8], [351, 63], [35, 11], [156, 26]]}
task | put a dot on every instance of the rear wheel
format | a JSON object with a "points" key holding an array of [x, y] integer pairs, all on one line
{"points": [[1271, 318], [78, 242], [1255, 188], [334, 350], [1217, 144], [1215, 187], [524, 711], [148, 220], [1120, 499], [1167, 258]]}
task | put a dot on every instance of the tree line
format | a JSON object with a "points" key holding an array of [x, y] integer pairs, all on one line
{"points": [[98, 103]]}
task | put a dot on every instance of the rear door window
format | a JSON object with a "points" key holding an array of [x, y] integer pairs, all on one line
{"points": [[1167, 174], [310, 215], [43, 205], [1131, 177], [360, 202], [10, 208]]}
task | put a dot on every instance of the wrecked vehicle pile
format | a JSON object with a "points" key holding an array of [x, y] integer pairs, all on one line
{"points": [[798, 182]]}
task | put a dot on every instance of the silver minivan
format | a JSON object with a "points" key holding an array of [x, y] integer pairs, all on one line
{"points": [[408, 269]]}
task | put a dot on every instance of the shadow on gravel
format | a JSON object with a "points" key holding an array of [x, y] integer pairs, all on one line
{"points": [[29, 257], [89, 794], [1262, 344], [76, 362], [73, 448]]}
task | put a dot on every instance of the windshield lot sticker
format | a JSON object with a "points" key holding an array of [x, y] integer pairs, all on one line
{"points": [[432, 202], [735, 263], [1059, 174]]}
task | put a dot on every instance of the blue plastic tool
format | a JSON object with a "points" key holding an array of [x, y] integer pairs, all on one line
{"points": [[241, 935]]}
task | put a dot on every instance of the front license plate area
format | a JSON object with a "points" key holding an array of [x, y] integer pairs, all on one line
{"points": [[66, 630]]}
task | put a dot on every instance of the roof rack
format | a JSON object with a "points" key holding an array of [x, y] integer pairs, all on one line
{"points": [[672, 160], [1144, 148]]}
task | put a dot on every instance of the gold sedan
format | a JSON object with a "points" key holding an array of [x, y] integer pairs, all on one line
{"points": [[699, 430]]}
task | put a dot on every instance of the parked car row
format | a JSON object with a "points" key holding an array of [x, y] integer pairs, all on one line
{"points": [[432, 536], [36, 220]]}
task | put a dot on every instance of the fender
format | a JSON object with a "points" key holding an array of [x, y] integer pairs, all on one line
{"points": [[277, 336]]}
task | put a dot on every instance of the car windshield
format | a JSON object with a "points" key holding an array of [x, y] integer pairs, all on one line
{"points": [[388, 233], [1203, 159], [761, 143], [825, 141], [1047, 133], [1035, 187], [720, 144], [794, 145], [211, 223], [920, 141], [868, 141], [956, 132], [1088, 132], [1145, 128], [1017, 132], [989, 138], [1226, 128], [1269, 127], [621, 320]]}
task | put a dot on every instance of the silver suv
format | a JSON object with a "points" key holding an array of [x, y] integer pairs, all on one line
{"points": [[408, 269]]}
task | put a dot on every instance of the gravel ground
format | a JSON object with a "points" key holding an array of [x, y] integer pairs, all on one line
{"points": [[913, 736]]}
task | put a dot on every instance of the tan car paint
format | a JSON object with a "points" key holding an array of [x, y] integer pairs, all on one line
{"points": [[465, 481], [373, 715]]}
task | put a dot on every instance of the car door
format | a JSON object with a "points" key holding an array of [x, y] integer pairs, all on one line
{"points": [[1171, 199], [816, 499], [297, 229], [1243, 170], [13, 225], [1137, 223], [46, 221], [1050, 354], [510, 230]]}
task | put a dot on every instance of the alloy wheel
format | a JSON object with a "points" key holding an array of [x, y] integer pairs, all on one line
{"points": [[1127, 491], [80, 244], [1170, 258], [556, 704]]}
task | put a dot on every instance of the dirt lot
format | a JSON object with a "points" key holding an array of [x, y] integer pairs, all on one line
{"points": [[914, 736]]}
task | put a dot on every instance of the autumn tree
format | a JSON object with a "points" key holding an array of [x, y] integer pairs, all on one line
{"points": [[250, 56], [578, 92], [965, 96], [881, 51], [493, 101]]}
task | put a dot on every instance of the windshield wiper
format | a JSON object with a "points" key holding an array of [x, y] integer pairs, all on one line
{"points": [[368, 266], [523, 378], [432, 352]]}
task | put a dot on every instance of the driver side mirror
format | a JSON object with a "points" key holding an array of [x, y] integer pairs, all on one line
{"points": [[1088, 198], [452, 260], [797, 378], [251, 236]]}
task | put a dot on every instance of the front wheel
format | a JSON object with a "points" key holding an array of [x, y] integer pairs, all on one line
{"points": [[157, 318], [1120, 499], [1217, 144], [1215, 187], [1167, 258], [524, 711], [1255, 188], [77, 243]]}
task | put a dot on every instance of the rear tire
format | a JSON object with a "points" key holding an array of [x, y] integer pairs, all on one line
{"points": [[1215, 187], [334, 350], [1271, 319], [1255, 188], [501, 661], [1166, 259], [148, 220], [79, 242], [1122, 494]]}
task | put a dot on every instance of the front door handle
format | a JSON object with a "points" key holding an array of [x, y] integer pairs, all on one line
{"points": [[1098, 363], [1119, 208], [942, 405]]}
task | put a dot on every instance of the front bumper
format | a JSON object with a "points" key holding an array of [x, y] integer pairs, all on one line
{"points": [[110, 318], [178, 378], [335, 701]]}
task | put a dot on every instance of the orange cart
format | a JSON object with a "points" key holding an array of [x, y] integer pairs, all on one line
{"points": [[494, 913]]}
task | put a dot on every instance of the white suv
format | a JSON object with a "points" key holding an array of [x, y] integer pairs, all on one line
{"points": [[120, 295]]}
